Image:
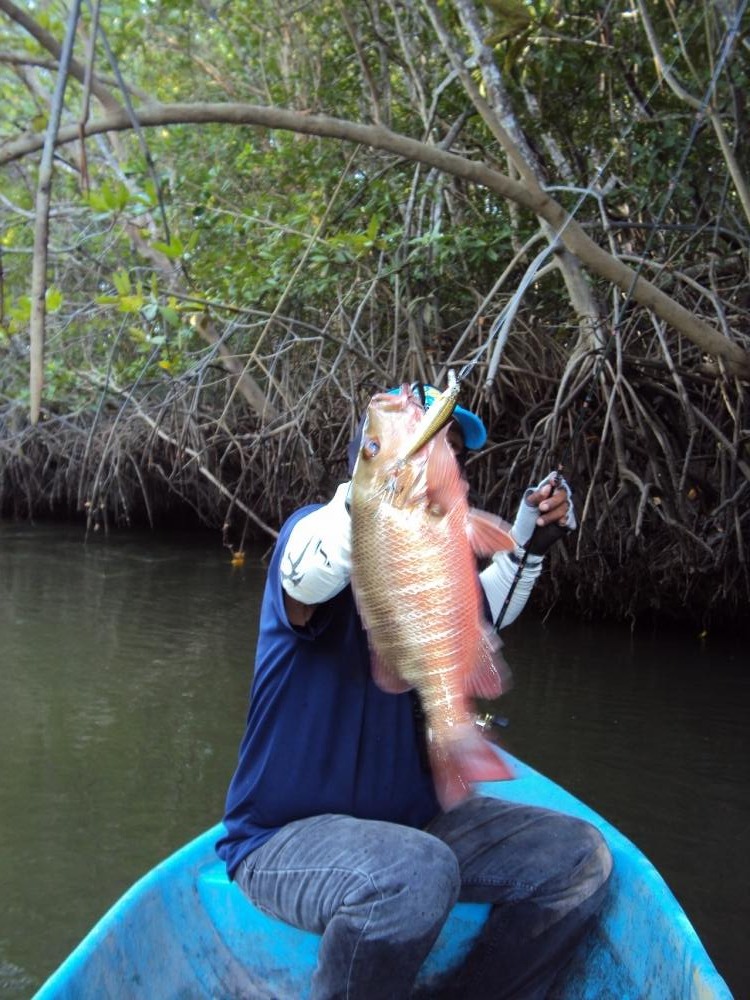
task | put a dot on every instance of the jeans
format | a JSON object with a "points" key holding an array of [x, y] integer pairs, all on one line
{"points": [[379, 893]]}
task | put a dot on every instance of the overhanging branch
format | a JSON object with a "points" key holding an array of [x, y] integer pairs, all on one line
{"points": [[539, 203]]}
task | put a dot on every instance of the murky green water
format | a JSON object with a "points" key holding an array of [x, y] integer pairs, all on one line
{"points": [[124, 672]]}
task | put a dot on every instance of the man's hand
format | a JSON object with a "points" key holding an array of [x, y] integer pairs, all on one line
{"points": [[546, 514], [553, 509]]}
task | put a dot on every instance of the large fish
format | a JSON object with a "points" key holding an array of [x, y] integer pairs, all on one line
{"points": [[414, 547]]}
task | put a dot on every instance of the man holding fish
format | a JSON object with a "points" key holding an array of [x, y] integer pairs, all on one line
{"points": [[351, 813]]}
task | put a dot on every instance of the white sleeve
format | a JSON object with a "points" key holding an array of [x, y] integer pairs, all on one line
{"points": [[497, 580], [316, 563]]}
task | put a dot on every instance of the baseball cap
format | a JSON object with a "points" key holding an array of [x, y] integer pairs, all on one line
{"points": [[473, 429]]}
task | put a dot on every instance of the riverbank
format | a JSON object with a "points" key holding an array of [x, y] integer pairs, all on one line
{"points": [[664, 531]]}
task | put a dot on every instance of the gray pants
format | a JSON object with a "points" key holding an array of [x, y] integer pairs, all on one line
{"points": [[379, 893]]}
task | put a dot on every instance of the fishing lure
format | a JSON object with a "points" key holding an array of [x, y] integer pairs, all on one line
{"points": [[435, 418]]}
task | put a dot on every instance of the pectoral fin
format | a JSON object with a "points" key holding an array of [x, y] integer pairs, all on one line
{"points": [[445, 484], [488, 533]]}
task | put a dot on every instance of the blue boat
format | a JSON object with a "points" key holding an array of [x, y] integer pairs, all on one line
{"points": [[184, 931]]}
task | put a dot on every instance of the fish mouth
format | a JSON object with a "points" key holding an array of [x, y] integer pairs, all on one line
{"points": [[423, 422]]}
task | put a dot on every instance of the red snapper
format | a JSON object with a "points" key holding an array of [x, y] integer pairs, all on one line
{"points": [[414, 546]]}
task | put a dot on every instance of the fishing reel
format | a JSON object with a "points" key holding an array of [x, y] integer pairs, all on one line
{"points": [[488, 722]]}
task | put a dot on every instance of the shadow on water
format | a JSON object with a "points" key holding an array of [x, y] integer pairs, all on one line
{"points": [[124, 672]]}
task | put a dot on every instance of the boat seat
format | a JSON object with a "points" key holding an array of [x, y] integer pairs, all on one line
{"points": [[287, 955]]}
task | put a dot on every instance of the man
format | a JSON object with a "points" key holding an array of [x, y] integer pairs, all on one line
{"points": [[332, 821]]}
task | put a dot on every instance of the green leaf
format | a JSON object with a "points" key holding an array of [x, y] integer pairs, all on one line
{"points": [[173, 249], [170, 316], [130, 303], [20, 313], [150, 188], [53, 299], [373, 228], [121, 281], [109, 198], [116, 197], [97, 201]]}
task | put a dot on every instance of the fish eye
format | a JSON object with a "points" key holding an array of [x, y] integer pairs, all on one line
{"points": [[370, 448]]}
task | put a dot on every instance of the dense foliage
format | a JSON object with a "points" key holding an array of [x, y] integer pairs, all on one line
{"points": [[221, 299]]}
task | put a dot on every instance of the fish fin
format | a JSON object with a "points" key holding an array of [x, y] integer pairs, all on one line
{"points": [[386, 678], [456, 765], [445, 484], [488, 533], [491, 676]]}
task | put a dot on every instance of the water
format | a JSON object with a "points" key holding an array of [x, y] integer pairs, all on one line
{"points": [[124, 673]]}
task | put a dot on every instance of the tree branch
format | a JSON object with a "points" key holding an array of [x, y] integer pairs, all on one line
{"points": [[51, 44], [24, 59], [571, 234], [41, 225]]}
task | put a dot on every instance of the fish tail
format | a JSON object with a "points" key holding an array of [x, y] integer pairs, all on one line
{"points": [[462, 760]]}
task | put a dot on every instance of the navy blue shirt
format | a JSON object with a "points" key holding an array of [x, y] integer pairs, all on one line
{"points": [[321, 737]]}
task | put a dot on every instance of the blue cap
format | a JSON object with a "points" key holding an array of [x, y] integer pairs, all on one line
{"points": [[473, 430]]}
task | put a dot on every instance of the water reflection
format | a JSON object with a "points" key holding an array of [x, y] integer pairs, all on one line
{"points": [[124, 673]]}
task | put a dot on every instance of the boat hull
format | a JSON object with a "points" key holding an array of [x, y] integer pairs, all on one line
{"points": [[184, 931]]}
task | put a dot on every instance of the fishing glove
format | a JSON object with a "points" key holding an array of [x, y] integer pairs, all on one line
{"points": [[539, 540], [502, 576], [316, 564]]}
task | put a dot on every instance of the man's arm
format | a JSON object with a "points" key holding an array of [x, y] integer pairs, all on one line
{"points": [[544, 516], [316, 563]]}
